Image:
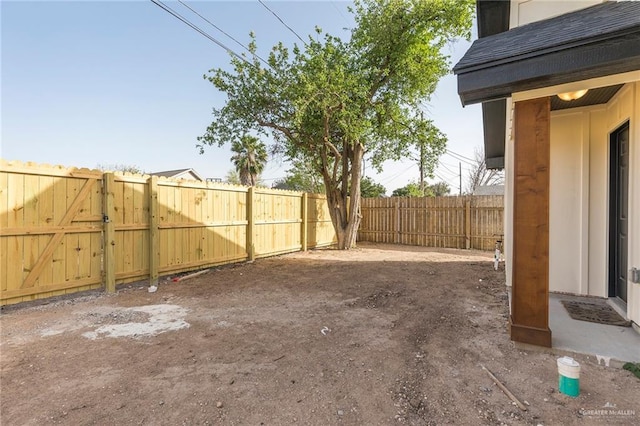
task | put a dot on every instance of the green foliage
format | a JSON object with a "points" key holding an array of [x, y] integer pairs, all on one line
{"points": [[633, 368], [301, 178], [249, 157], [439, 189], [412, 189], [371, 189], [329, 102], [430, 146], [127, 168], [232, 177]]}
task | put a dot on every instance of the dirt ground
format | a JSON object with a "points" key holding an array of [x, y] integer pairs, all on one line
{"points": [[378, 335]]}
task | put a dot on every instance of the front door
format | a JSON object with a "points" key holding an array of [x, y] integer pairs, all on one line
{"points": [[618, 212]]}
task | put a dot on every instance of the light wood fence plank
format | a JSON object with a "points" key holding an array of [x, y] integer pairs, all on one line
{"points": [[109, 233]]}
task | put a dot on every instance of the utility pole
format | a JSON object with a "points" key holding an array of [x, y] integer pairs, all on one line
{"points": [[460, 168], [422, 169], [422, 154]]}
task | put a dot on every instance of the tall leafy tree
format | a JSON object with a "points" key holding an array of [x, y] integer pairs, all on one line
{"points": [[438, 189], [232, 177], [429, 146], [301, 177], [417, 189], [249, 158], [412, 189], [329, 102], [371, 189]]}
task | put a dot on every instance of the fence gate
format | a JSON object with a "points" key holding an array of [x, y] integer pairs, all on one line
{"points": [[55, 239], [50, 231]]}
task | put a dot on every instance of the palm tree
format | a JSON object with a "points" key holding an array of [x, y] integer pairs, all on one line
{"points": [[249, 158]]}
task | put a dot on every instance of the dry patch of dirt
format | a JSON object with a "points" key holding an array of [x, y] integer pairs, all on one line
{"points": [[373, 336]]}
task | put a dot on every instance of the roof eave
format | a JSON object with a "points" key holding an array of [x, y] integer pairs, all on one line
{"points": [[612, 56]]}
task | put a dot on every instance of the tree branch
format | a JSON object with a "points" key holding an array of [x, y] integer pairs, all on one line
{"points": [[287, 132]]}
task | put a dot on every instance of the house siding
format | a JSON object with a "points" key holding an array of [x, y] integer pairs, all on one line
{"points": [[622, 108], [527, 11], [579, 196], [633, 307], [579, 175], [568, 215]]}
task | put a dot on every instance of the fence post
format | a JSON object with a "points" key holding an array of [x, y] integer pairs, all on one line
{"points": [[154, 255], [396, 238], [305, 223], [467, 222], [109, 233], [250, 225]]}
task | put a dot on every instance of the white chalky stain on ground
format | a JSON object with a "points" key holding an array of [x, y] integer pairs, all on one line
{"points": [[162, 318]]}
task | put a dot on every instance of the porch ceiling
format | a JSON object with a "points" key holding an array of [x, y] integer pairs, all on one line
{"points": [[598, 96], [594, 42]]}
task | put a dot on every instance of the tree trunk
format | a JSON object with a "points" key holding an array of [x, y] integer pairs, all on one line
{"points": [[344, 208], [354, 216]]}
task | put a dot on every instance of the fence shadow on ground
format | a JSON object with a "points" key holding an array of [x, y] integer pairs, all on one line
{"points": [[65, 229]]}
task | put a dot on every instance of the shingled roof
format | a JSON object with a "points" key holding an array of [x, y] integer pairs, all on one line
{"points": [[606, 20], [592, 42], [189, 174]]}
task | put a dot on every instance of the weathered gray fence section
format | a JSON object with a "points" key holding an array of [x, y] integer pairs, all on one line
{"points": [[448, 222]]}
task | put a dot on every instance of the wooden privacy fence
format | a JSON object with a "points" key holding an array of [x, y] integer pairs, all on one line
{"points": [[448, 222], [64, 230]]}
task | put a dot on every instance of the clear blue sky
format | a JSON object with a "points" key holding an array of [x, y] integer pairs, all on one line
{"points": [[87, 83]]}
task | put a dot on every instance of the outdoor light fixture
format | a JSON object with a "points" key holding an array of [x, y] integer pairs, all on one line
{"points": [[572, 96]]}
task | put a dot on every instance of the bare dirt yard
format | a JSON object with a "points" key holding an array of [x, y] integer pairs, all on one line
{"points": [[378, 335]]}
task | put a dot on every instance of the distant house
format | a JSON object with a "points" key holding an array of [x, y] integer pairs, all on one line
{"points": [[489, 190], [188, 174]]}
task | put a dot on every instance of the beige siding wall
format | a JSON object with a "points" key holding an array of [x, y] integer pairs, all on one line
{"points": [[579, 216], [598, 208], [508, 195], [626, 107], [579, 195], [526, 11], [634, 206], [567, 205]]}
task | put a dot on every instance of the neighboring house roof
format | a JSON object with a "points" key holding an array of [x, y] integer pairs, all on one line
{"points": [[489, 190], [588, 43], [189, 174]]}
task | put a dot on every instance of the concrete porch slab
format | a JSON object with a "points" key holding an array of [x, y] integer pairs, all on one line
{"points": [[620, 344]]}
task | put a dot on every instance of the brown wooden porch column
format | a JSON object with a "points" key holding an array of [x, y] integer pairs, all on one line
{"points": [[530, 273]]}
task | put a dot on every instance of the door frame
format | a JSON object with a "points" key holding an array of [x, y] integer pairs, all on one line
{"points": [[613, 210]]}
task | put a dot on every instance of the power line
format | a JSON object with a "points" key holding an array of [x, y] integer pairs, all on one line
{"points": [[448, 172], [283, 23], [453, 165], [397, 175], [441, 178], [223, 32], [461, 159], [340, 12], [460, 155], [196, 28], [426, 106], [452, 171]]}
